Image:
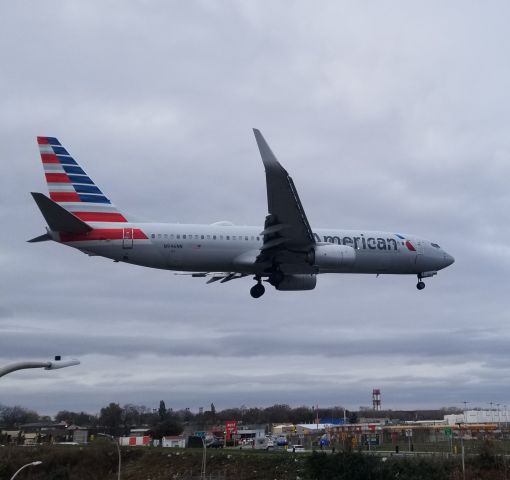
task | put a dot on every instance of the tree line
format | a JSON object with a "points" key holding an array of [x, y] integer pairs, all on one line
{"points": [[117, 419]]}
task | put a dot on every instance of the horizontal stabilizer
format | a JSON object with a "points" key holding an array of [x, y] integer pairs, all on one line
{"points": [[41, 238], [58, 218], [215, 276]]}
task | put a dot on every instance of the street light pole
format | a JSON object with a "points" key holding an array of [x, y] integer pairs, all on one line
{"points": [[204, 458], [112, 438], [31, 464], [462, 452], [53, 365]]}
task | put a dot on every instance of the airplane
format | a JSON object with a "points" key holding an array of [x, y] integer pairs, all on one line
{"points": [[286, 252]]}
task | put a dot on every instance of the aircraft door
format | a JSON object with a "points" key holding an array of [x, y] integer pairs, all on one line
{"points": [[127, 238], [419, 251]]}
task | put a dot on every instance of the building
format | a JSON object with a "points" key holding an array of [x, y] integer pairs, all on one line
{"points": [[177, 441], [479, 416]]}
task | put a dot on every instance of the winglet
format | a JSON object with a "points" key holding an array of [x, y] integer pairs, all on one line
{"points": [[268, 157], [283, 204]]}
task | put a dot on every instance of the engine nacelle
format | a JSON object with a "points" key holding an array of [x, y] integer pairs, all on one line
{"points": [[297, 282], [332, 256]]}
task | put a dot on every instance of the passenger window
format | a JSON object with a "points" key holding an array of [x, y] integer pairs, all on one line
{"points": [[228, 237], [159, 235], [153, 235], [202, 237], [196, 237], [246, 238], [214, 237], [252, 238], [172, 235], [184, 236], [208, 237], [258, 239], [166, 235], [234, 237], [178, 236], [221, 237]]}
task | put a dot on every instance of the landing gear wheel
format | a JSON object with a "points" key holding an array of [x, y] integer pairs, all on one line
{"points": [[257, 290], [420, 285]]}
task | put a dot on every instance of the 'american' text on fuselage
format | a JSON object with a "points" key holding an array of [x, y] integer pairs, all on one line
{"points": [[360, 242]]}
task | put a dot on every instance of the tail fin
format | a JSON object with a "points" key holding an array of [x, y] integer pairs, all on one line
{"points": [[71, 188]]}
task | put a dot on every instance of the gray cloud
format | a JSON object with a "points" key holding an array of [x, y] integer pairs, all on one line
{"points": [[440, 345]]}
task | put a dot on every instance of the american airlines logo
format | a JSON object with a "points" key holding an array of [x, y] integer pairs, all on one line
{"points": [[363, 243]]}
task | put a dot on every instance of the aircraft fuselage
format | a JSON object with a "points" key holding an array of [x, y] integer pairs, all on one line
{"points": [[194, 247]]}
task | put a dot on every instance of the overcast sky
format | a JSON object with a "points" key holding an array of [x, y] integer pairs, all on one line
{"points": [[388, 115]]}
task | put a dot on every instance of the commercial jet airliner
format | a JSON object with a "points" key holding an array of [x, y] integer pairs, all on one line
{"points": [[287, 253]]}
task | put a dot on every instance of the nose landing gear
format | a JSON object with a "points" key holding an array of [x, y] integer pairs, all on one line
{"points": [[258, 289], [421, 284]]}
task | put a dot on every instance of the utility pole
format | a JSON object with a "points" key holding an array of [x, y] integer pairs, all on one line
{"points": [[114, 440], [204, 459], [462, 451]]}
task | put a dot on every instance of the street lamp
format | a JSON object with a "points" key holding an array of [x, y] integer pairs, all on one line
{"points": [[53, 365], [31, 464], [118, 450]]}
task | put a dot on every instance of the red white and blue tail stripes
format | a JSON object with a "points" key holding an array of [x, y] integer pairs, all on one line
{"points": [[71, 187]]}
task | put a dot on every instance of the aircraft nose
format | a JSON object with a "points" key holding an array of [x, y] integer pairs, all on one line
{"points": [[448, 260]]}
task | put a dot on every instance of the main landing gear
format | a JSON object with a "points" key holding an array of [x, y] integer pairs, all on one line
{"points": [[421, 284], [258, 289]]}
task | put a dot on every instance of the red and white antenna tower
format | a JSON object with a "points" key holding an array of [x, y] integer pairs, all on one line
{"points": [[376, 399]]}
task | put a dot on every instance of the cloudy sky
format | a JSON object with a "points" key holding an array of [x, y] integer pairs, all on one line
{"points": [[389, 115]]}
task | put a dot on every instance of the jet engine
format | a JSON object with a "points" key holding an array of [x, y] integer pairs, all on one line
{"points": [[331, 256], [297, 282]]}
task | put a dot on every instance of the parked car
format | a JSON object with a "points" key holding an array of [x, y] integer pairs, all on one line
{"points": [[296, 448], [215, 444]]}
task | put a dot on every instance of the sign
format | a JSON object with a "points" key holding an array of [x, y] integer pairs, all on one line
{"points": [[448, 431], [409, 433], [230, 429]]}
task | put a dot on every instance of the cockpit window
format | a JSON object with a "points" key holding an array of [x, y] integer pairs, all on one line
{"points": [[435, 245]]}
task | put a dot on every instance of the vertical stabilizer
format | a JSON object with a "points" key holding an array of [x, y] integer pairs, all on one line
{"points": [[71, 188]]}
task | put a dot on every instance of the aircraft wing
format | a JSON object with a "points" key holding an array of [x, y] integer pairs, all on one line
{"points": [[287, 233]]}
